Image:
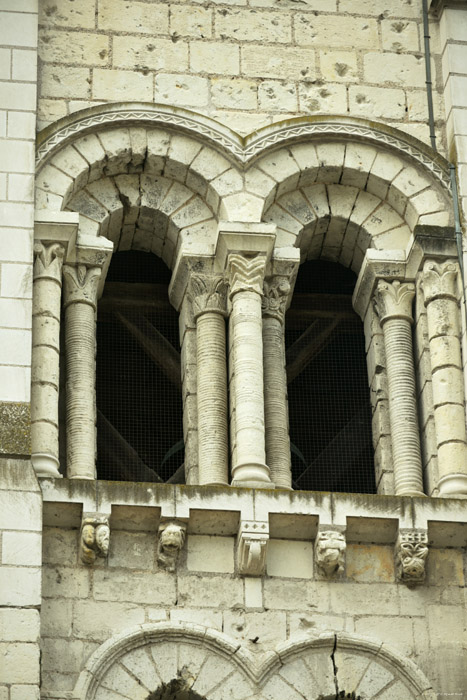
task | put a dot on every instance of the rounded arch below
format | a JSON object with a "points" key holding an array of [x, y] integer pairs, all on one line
{"points": [[145, 660]]}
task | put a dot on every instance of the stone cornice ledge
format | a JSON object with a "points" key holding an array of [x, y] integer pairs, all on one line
{"points": [[437, 6], [367, 518]]}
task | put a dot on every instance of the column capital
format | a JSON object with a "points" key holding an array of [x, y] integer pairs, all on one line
{"points": [[81, 284], [276, 294], [246, 274], [394, 300], [48, 260], [208, 292], [60, 227], [440, 280], [246, 239]]}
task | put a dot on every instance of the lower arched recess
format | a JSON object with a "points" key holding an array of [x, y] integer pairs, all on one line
{"points": [[189, 662]]}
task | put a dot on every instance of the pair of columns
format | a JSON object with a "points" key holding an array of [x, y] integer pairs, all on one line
{"points": [[393, 304], [81, 269], [261, 457]]}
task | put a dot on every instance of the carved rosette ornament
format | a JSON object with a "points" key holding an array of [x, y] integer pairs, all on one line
{"points": [[411, 554], [171, 540], [393, 304], [94, 537], [330, 547], [252, 542]]}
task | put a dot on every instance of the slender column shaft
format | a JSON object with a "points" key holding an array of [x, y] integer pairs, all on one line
{"points": [[209, 306], [80, 339], [45, 358], [441, 301], [275, 383], [246, 291], [393, 303]]}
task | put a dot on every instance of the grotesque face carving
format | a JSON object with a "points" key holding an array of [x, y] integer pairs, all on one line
{"points": [[330, 552], [412, 552], [172, 538]]}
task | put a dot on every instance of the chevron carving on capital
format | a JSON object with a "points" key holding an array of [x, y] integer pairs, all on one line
{"points": [[394, 300], [48, 260], [440, 280], [208, 293], [80, 284], [246, 274]]}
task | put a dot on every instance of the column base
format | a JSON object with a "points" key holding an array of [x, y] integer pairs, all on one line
{"points": [[253, 475], [46, 466], [453, 486], [412, 494]]}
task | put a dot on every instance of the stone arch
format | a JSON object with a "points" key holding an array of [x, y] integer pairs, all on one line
{"points": [[142, 659], [335, 663], [212, 665]]}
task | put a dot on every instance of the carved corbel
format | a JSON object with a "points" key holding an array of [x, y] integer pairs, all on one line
{"points": [[330, 547], [94, 537], [411, 553], [252, 542], [171, 540]]}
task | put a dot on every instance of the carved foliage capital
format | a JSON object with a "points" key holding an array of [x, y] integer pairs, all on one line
{"points": [[48, 261], [208, 293], [330, 549], [411, 553], [394, 300], [440, 280], [252, 542], [80, 284], [171, 541], [276, 292], [246, 274], [94, 537]]}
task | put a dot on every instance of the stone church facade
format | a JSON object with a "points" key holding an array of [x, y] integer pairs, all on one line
{"points": [[254, 152]]}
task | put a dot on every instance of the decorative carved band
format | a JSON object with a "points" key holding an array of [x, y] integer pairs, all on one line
{"points": [[440, 281], [394, 300], [48, 260], [80, 284], [208, 293], [246, 274], [276, 291]]}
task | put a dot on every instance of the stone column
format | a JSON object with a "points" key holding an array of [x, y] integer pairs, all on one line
{"points": [[441, 300], [246, 287], [47, 290], [276, 291], [393, 303], [208, 294], [80, 290]]}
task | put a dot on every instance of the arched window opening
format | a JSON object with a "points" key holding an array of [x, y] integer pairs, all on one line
{"points": [[138, 387], [329, 406]]}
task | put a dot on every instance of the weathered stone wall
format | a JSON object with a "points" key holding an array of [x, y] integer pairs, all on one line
{"points": [[85, 606], [246, 63]]}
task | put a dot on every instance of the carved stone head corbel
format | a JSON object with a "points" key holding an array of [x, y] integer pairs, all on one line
{"points": [[330, 549], [411, 554], [94, 537], [171, 541]]}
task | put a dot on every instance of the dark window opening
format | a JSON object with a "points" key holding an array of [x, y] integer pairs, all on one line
{"points": [[329, 405], [138, 387]]}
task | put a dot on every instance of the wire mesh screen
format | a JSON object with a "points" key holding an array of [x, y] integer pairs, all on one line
{"points": [[329, 406], [139, 408]]}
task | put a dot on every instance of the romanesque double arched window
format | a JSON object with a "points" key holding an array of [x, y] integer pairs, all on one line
{"points": [[234, 223]]}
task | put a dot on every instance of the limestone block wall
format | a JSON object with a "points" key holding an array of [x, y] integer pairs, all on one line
{"points": [[84, 606], [18, 78], [246, 63]]}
